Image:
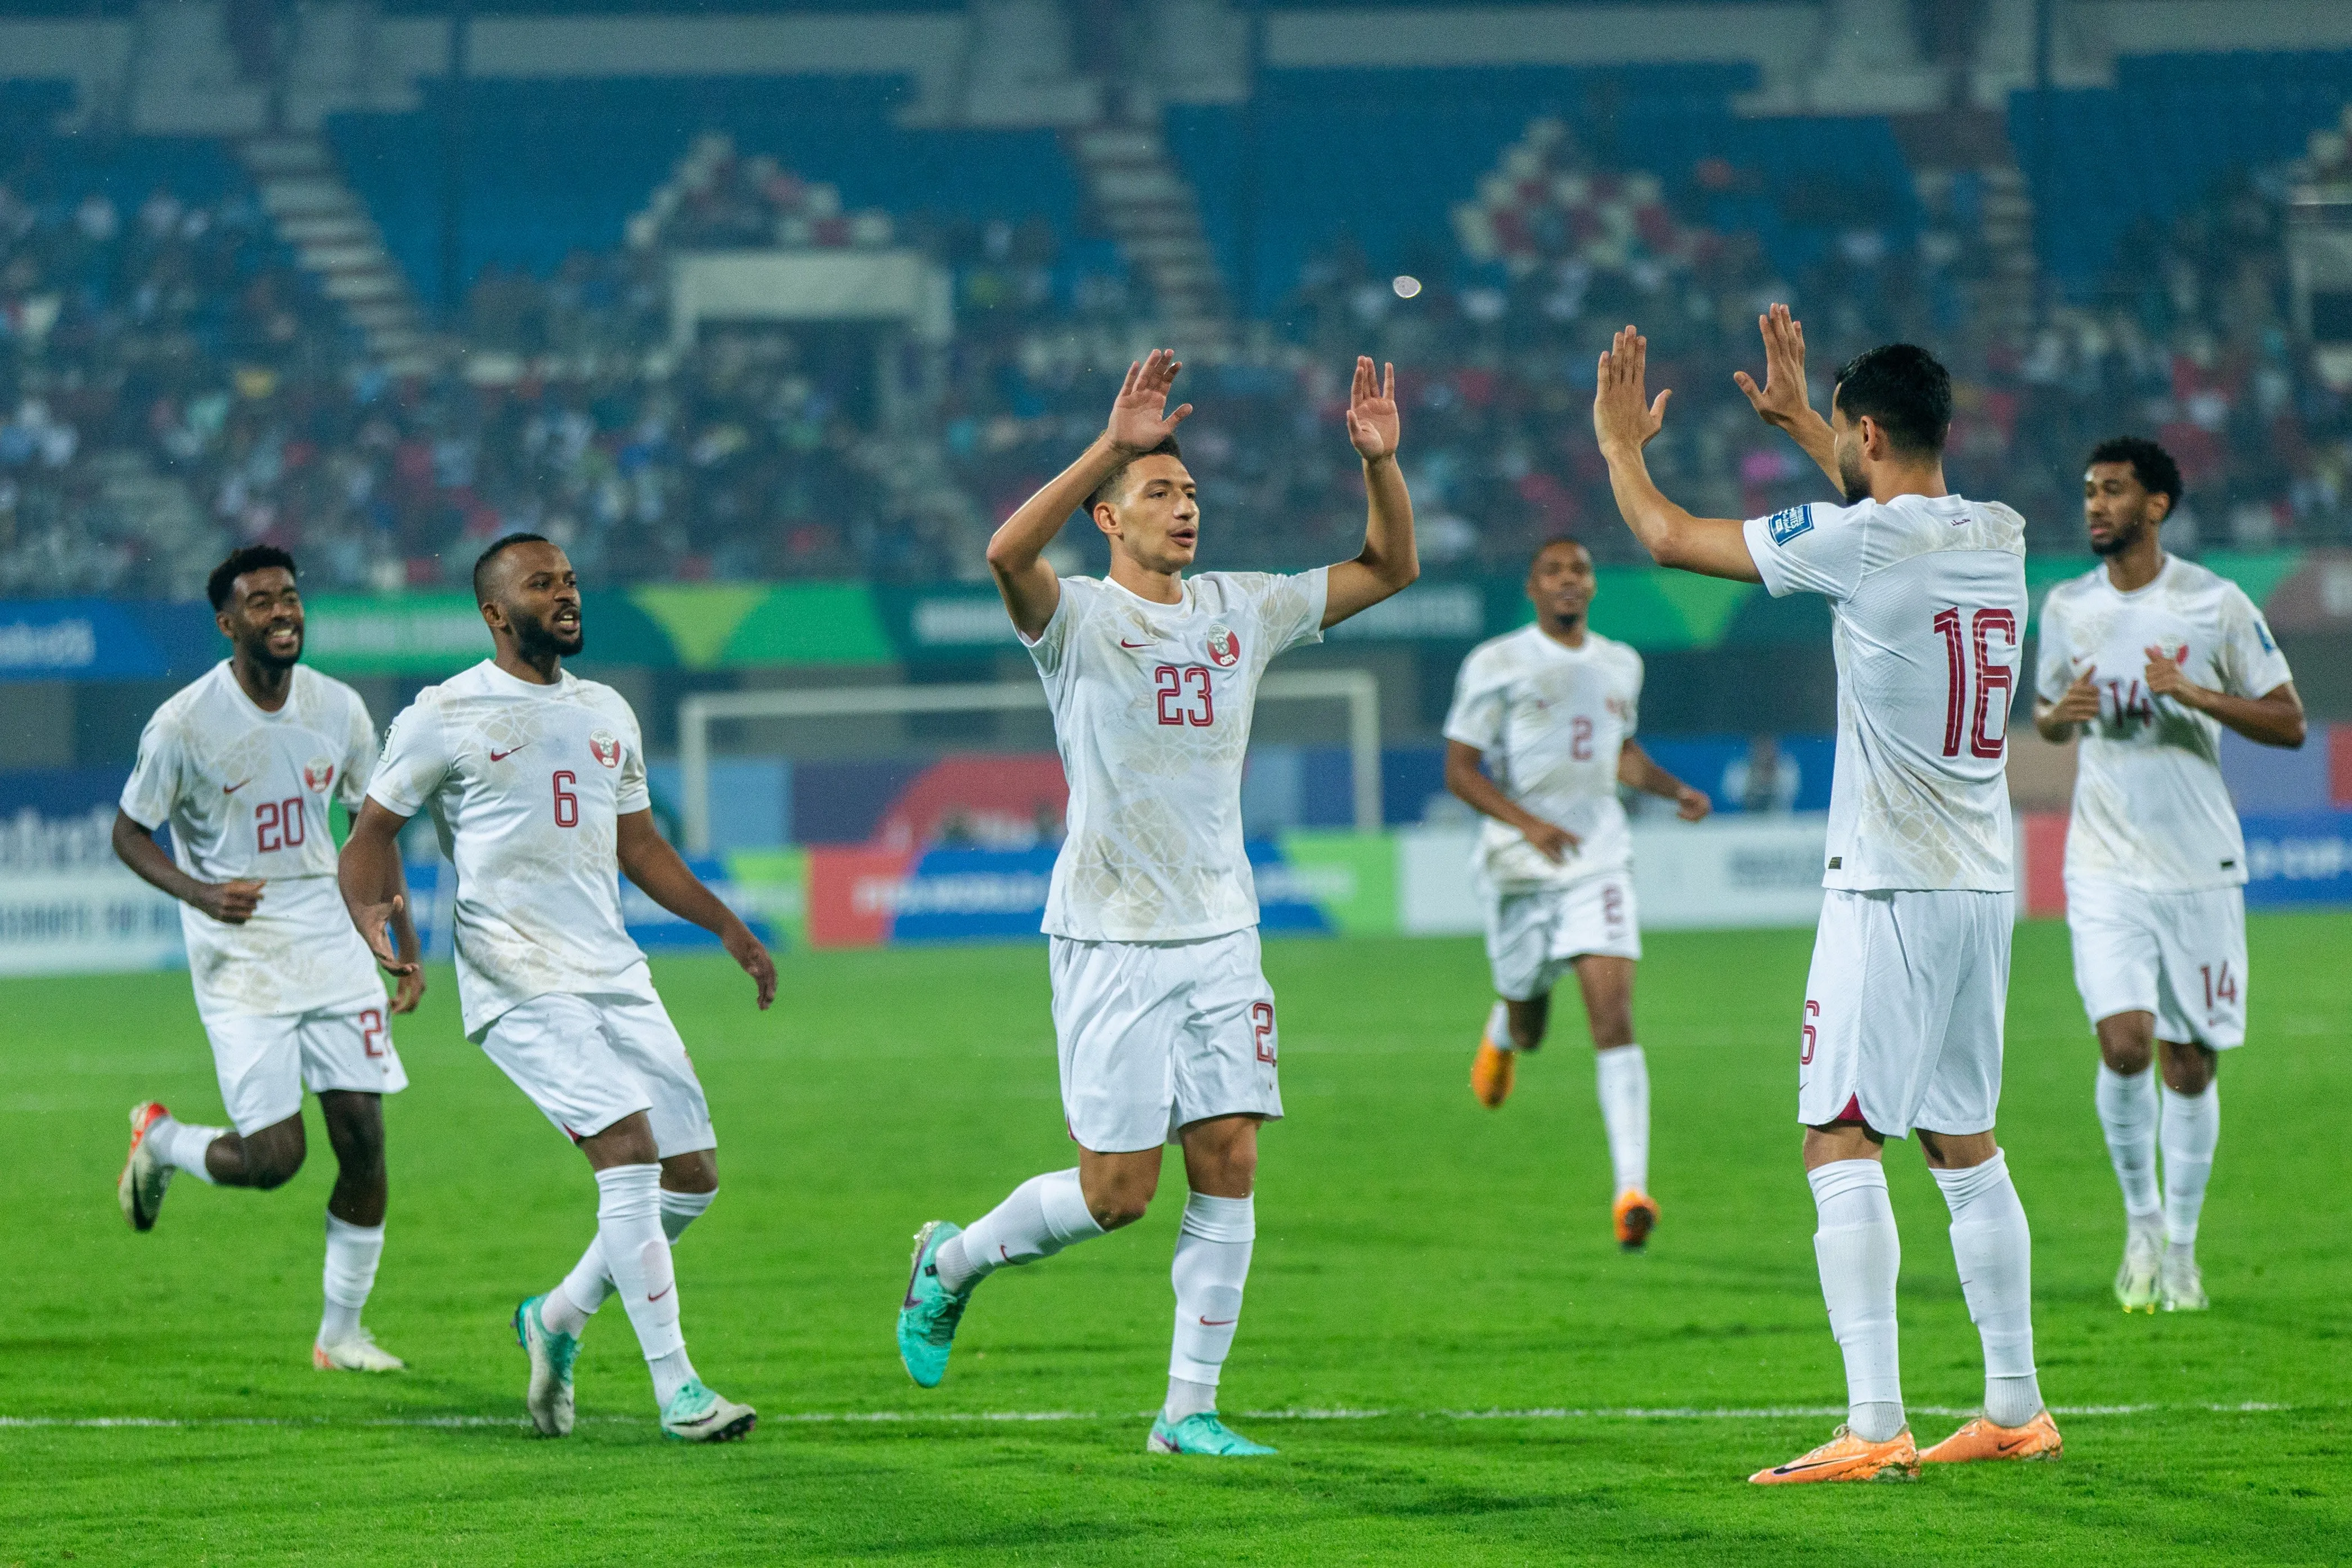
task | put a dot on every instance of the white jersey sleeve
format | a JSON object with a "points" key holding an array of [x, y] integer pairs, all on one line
{"points": [[2248, 659], [1928, 608], [154, 787], [416, 759]]}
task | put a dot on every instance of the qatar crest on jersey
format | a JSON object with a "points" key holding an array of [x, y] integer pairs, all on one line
{"points": [[318, 773], [604, 748], [1224, 648]]}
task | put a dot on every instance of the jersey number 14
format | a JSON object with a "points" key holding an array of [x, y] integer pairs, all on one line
{"points": [[1977, 718]]}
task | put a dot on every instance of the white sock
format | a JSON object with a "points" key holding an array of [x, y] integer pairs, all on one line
{"points": [[1994, 1250], [629, 1230], [2192, 1126], [1043, 1215], [2127, 1115], [1212, 1259], [1623, 1078], [1860, 1252], [569, 1306], [182, 1145], [353, 1253], [1498, 1028]]}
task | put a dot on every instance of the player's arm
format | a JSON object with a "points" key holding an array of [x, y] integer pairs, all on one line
{"points": [[1389, 561], [1637, 769], [375, 892], [648, 860], [1467, 776], [2274, 718], [1781, 402], [1016, 551], [230, 903], [1625, 421]]}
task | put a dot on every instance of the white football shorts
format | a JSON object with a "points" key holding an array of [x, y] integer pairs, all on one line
{"points": [[2180, 956], [1903, 1011], [587, 1061], [1155, 1035], [265, 1063], [1534, 937]]}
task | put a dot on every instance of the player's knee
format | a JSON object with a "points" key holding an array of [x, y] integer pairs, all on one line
{"points": [[1119, 1206], [271, 1165], [1527, 1036], [2188, 1069], [2126, 1045]]}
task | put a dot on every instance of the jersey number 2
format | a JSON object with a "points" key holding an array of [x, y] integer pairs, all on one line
{"points": [[1991, 678]]}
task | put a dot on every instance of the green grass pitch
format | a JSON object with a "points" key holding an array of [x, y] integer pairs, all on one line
{"points": [[1422, 1265]]}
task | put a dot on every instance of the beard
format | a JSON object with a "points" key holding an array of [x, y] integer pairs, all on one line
{"points": [[536, 639], [1852, 481], [2120, 540], [257, 649]]}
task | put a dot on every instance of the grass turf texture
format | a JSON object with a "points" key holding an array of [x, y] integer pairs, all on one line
{"points": [[1417, 1255]]}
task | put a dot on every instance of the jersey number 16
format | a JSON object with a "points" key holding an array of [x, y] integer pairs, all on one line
{"points": [[1983, 740]]}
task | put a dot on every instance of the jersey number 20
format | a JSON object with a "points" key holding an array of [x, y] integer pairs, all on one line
{"points": [[1991, 678]]}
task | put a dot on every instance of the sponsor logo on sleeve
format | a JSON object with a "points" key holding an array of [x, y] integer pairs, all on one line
{"points": [[1786, 526], [2263, 632]]}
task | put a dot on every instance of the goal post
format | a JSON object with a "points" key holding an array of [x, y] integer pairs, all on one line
{"points": [[1360, 689]]}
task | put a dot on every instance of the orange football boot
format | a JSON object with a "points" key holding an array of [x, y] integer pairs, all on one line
{"points": [[1980, 1440], [1846, 1458], [1491, 1073], [1636, 1215]]}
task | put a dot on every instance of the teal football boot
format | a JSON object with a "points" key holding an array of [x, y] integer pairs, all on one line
{"points": [[929, 1316], [1201, 1433]]}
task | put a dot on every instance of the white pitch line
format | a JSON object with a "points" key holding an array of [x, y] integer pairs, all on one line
{"points": [[861, 1417]]}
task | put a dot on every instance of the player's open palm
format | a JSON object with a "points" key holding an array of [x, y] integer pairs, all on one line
{"points": [[1624, 414], [1781, 401], [1374, 427], [1140, 417]]}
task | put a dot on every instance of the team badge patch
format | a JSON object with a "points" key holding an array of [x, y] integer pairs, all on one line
{"points": [[318, 773], [1786, 526], [604, 748], [1224, 648]]}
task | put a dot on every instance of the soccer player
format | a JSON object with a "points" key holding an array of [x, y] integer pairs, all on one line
{"points": [[1165, 1022], [245, 764], [1550, 709], [2147, 657], [1902, 1023], [536, 781]]}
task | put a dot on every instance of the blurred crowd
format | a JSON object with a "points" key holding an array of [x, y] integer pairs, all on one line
{"points": [[175, 341]]}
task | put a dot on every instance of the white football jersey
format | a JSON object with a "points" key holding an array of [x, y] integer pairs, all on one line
{"points": [[1151, 712], [1551, 720], [246, 795], [2151, 810], [1927, 600], [526, 784]]}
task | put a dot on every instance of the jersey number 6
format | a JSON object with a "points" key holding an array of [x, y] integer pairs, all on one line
{"points": [[1990, 678], [567, 804]]}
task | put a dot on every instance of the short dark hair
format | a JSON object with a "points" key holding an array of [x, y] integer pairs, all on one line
{"points": [[2151, 465], [1905, 389], [248, 557], [1113, 480], [1556, 539], [498, 547]]}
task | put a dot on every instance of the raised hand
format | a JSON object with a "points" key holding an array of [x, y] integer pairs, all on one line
{"points": [[230, 903], [1622, 412], [1139, 419], [1373, 428], [1781, 402]]}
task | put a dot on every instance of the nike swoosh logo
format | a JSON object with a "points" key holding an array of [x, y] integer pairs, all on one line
{"points": [[1218, 1323], [1125, 644], [2004, 1448], [664, 1291], [233, 788], [510, 751]]}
